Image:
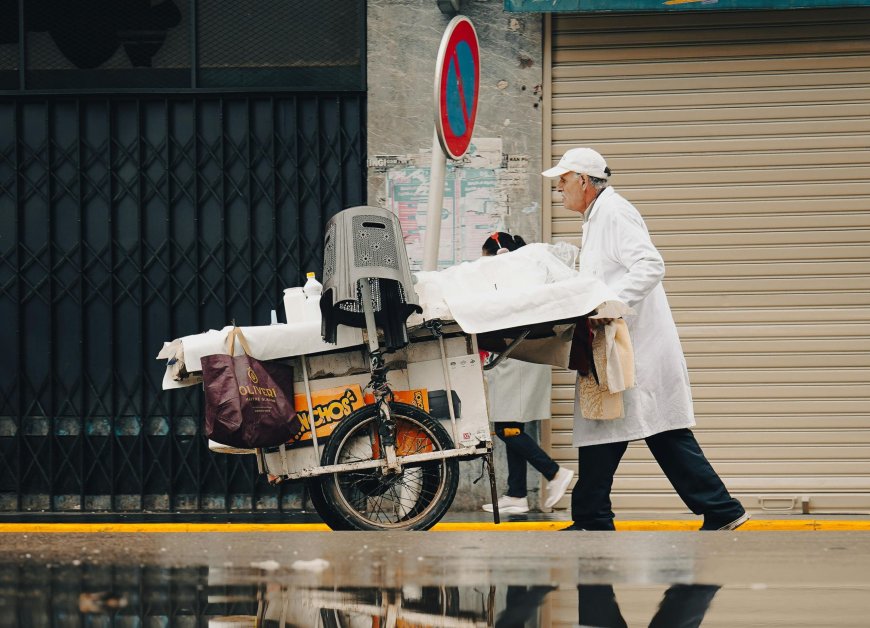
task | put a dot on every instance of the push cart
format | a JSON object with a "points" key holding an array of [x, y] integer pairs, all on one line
{"points": [[394, 390]]}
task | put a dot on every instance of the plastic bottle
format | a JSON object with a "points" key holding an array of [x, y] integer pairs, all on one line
{"points": [[294, 304], [312, 288]]}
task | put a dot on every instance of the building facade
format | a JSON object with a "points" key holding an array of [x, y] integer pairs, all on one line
{"points": [[742, 137]]}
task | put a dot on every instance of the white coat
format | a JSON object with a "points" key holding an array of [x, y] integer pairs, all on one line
{"points": [[518, 391], [616, 248]]}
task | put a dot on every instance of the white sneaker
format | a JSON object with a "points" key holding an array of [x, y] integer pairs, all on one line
{"points": [[557, 486], [510, 505]]}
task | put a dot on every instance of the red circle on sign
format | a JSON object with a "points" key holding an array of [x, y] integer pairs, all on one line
{"points": [[457, 86]]}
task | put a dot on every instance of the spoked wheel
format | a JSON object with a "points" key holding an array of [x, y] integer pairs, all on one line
{"points": [[368, 499]]}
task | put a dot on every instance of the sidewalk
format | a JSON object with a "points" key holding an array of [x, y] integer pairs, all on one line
{"points": [[298, 521]]}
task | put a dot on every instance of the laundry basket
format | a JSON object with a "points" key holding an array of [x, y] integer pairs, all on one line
{"points": [[365, 244]]}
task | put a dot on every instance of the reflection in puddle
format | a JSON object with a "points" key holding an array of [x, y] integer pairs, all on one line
{"points": [[97, 595], [410, 606], [115, 595], [683, 606]]}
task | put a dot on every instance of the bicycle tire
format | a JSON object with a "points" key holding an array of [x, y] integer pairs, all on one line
{"points": [[324, 509], [414, 499]]}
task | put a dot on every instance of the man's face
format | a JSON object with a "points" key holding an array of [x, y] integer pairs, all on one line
{"points": [[573, 189]]}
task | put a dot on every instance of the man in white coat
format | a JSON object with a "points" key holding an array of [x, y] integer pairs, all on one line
{"points": [[616, 248]]}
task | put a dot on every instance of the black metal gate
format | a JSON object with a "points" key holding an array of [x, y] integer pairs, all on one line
{"points": [[126, 221]]}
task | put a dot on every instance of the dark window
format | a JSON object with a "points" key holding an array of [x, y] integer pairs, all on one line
{"points": [[180, 44], [107, 44]]}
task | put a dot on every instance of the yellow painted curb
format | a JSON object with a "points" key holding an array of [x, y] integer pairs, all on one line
{"points": [[158, 528], [754, 525], [663, 526]]}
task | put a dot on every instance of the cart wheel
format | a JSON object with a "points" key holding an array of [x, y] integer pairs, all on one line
{"points": [[414, 499], [331, 518]]}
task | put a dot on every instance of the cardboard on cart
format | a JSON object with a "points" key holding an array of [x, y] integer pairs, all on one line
{"points": [[331, 405], [415, 368]]}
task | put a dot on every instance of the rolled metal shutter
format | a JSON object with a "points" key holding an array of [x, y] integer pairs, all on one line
{"points": [[744, 140]]}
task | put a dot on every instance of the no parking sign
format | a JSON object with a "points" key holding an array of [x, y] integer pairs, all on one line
{"points": [[457, 85]]}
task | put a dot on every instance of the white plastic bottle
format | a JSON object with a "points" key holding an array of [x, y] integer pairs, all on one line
{"points": [[294, 304], [312, 288]]}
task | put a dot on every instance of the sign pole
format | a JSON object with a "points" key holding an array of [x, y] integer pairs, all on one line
{"points": [[436, 203], [457, 84]]}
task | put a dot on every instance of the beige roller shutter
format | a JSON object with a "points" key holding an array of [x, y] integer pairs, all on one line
{"points": [[744, 139]]}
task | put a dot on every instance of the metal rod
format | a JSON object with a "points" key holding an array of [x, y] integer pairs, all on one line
{"points": [[490, 465], [504, 354], [311, 424], [436, 202], [449, 390], [283, 449], [193, 34], [53, 333], [22, 48], [381, 462], [368, 311]]}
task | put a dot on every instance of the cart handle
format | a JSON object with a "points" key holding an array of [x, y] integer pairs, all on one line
{"points": [[504, 354]]}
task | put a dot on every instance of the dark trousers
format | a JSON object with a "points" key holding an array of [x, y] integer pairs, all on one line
{"points": [[522, 449], [682, 461]]}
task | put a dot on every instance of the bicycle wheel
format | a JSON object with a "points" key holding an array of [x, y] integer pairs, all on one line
{"points": [[414, 499], [327, 513]]}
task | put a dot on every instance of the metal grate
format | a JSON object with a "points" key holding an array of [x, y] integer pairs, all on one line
{"points": [[276, 42], [293, 45], [125, 222], [72, 45]]}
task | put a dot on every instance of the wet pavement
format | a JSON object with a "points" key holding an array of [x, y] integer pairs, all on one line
{"points": [[661, 579]]}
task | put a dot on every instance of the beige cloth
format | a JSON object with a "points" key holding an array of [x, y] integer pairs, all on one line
{"points": [[614, 364]]}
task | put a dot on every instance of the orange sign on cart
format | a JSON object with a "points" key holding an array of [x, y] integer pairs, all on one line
{"points": [[331, 405]]}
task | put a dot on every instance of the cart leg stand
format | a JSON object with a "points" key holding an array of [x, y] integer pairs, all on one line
{"points": [[496, 517]]}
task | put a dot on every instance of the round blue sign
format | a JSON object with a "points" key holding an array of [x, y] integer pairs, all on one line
{"points": [[457, 87]]}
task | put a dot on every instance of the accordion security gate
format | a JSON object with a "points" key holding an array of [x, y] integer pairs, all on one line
{"points": [[126, 221]]}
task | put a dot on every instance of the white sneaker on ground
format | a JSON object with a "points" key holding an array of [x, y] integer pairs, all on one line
{"points": [[510, 505], [557, 486]]}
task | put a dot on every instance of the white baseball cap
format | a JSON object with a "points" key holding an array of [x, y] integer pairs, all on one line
{"points": [[582, 160]]}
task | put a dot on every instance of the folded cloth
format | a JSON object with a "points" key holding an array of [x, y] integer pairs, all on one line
{"points": [[613, 357], [619, 356]]}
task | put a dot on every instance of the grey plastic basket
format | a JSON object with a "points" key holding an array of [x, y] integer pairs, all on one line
{"points": [[365, 244]]}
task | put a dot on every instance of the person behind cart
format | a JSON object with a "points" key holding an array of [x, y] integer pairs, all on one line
{"points": [[518, 393], [617, 249]]}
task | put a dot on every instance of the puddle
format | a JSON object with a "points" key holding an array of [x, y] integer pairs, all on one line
{"points": [[227, 597], [414, 580]]}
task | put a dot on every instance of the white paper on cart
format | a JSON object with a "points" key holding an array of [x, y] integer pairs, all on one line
{"points": [[267, 342]]}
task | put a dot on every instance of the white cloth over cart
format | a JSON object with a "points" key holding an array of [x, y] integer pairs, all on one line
{"points": [[530, 286]]}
